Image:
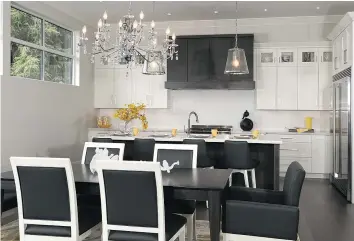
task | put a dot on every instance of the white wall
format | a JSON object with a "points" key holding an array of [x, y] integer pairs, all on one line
{"points": [[42, 118], [227, 106]]}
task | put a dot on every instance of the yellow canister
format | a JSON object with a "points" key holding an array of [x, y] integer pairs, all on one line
{"points": [[308, 122]]}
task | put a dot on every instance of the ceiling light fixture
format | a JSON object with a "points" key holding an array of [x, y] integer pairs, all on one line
{"points": [[236, 62], [169, 14], [265, 10], [216, 12], [125, 48], [317, 8]]}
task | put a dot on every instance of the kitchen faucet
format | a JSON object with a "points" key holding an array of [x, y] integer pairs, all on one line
{"points": [[189, 121]]}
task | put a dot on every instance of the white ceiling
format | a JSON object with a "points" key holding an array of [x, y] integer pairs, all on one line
{"points": [[90, 12]]}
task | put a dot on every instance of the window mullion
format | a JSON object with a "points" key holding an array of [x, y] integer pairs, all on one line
{"points": [[43, 45]]}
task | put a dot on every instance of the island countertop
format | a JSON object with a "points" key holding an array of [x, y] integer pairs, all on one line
{"points": [[181, 136]]}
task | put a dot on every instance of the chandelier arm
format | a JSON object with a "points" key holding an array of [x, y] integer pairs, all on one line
{"points": [[141, 55]]}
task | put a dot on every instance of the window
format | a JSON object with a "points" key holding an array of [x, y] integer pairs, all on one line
{"points": [[40, 49]]}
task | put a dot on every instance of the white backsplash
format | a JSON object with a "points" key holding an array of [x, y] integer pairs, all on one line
{"points": [[224, 107]]}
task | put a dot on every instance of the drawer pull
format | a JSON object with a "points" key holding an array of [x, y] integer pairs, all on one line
{"points": [[286, 138], [288, 149]]}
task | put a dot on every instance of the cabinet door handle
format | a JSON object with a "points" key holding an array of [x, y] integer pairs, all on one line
{"points": [[286, 138], [345, 56], [288, 149]]}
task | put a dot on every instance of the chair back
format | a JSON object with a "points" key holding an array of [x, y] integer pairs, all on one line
{"points": [[202, 157], [143, 149], [94, 151], [102, 139], [46, 195], [132, 197], [186, 155], [237, 155], [294, 178]]}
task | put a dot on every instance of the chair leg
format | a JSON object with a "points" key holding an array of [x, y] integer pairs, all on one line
{"points": [[253, 173], [194, 226], [182, 235], [207, 204], [230, 180], [245, 175], [189, 227]]}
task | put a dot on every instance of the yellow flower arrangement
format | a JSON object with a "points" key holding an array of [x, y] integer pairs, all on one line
{"points": [[131, 112]]}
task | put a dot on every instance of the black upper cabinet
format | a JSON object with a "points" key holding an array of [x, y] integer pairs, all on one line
{"points": [[177, 70], [198, 59], [218, 56]]}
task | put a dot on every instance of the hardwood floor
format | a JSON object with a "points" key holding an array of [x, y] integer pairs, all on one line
{"points": [[325, 215]]}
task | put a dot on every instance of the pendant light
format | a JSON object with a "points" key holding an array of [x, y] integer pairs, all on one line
{"points": [[153, 63], [236, 62]]}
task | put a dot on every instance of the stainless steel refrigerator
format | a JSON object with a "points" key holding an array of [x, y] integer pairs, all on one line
{"points": [[341, 129]]}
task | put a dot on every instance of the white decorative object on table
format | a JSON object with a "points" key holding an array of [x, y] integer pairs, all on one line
{"points": [[101, 154], [166, 167]]}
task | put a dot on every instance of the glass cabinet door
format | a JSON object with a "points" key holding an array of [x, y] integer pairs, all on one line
{"points": [[266, 57], [287, 57], [307, 56]]}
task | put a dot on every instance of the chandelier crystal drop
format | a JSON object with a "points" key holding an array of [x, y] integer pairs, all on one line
{"points": [[124, 45]]}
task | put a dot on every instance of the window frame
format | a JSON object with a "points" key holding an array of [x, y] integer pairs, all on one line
{"points": [[73, 56]]}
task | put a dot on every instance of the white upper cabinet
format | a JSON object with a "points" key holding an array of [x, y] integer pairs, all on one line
{"points": [[287, 97], [266, 87], [308, 87], [104, 88], [123, 88], [325, 78], [287, 56], [267, 57], [295, 78], [347, 47]]}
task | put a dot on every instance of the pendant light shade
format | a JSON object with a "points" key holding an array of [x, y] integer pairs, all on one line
{"points": [[153, 64], [236, 62]]}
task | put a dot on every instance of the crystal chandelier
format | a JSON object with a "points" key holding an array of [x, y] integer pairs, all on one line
{"points": [[125, 48], [236, 62]]}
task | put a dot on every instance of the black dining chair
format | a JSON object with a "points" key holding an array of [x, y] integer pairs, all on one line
{"points": [[237, 156], [132, 203], [264, 213], [8, 201], [143, 149], [46, 196], [203, 160], [179, 156]]}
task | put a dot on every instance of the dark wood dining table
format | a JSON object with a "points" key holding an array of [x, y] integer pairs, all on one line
{"points": [[188, 184]]}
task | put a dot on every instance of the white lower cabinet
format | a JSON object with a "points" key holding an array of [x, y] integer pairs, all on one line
{"points": [[312, 151]]}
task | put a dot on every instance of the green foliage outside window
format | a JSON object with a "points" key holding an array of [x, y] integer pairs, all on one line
{"points": [[28, 61]]}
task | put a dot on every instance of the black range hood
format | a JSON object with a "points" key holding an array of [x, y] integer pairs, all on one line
{"points": [[201, 63]]}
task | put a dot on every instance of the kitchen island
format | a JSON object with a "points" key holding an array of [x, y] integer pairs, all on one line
{"points": [[264, 150]]}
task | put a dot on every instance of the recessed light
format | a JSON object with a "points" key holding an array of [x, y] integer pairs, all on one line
{"points": [[216, 12], [169, 14], [265, 10], [318, 8]]}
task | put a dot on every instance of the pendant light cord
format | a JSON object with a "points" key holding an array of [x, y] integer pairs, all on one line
{"points": [[236, 28]]}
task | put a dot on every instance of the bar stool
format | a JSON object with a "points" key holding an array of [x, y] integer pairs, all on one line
{"points": [[203, 161], [237, 157], [143, 149]]}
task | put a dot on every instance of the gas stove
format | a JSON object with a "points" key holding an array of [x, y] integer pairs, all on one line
{"points": [[206, 129]]}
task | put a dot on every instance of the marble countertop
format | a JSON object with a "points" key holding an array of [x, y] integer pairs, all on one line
{"points": [[180, 136]]}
